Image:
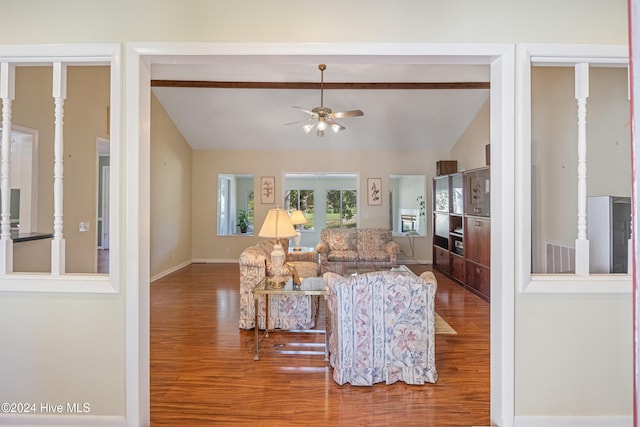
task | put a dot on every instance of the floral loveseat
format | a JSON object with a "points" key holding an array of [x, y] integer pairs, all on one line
{"points": [[339, 246], [382, 327], [285, 311]]}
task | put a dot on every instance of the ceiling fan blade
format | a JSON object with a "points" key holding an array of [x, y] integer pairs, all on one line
{"points": [[298, 122], [342, 114], [307, 111]]}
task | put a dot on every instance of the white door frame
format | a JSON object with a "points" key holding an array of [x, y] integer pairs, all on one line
{"points": [[103, 174], [140, 57], [106, 173]]}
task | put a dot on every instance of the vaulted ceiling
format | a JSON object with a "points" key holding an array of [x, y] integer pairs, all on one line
{"points": [[245, 106]]}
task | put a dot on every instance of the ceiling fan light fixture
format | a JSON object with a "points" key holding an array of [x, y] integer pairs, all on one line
{"points": [[324, 115]]}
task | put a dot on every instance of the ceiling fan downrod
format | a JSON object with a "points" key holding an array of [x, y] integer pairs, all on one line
{"points": [[322, 67]]}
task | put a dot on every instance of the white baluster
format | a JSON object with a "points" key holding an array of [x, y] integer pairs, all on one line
{"points": [[59, 95], [7, 93], [582, 93]]}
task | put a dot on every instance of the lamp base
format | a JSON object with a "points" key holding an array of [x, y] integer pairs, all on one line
{"points": [[276, 282], [277, 260], [296, 240]]}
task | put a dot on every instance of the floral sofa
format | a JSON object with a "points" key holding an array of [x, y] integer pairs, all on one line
{"points": [[341, 246], [382, 328], [285, 311]]}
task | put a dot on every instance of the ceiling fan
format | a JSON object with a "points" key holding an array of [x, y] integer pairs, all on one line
{"points": [[323, 117]]}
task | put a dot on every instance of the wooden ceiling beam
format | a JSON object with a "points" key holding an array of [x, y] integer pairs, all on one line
{"points": [[316, 86]]}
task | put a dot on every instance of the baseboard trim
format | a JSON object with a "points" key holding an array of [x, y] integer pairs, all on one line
{"points": [[568, 421], [214, 261], [411, 261], [189, 262], [170, 270], [62, 420]]}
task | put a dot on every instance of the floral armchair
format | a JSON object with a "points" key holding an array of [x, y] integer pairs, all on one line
{"points": [[382, 328], [285, 311], [340, 246]]}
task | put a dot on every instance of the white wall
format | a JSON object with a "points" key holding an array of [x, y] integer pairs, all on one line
{"points": [[548, 371]]}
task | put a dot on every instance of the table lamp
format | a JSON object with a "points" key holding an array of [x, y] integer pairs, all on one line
{"points": [[277, 225], [297, 219]]}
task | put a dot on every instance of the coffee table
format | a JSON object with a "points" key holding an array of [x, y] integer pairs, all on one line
{"points": [[309, 286], [351, 269]]}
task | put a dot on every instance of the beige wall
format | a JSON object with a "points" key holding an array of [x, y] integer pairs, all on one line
{"points": [[170, 193], [574, 355], [208, 164], [469, 151], [576, 21], [80, 354]]}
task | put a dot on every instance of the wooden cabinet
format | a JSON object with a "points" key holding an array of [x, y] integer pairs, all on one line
{"points": [[478, 239], [441, 258], [462, 228], [478, 279], [458, 267], [477, 192]]}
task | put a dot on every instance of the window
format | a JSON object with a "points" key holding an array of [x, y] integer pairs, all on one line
{"points": [[408, 205], [235, 204], [311, 191], [342, 207], [576, 139], [49, 235], [298, 199]]}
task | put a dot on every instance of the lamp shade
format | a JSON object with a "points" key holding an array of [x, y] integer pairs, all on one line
{"points": [[298, 218], [277, 224]]}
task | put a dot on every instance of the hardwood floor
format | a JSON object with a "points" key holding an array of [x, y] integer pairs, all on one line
{"points": [[203, 373]]}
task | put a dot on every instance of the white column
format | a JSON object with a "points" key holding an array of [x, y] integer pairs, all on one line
{"points": [[582, 93], [59, 95], [7, 93]]}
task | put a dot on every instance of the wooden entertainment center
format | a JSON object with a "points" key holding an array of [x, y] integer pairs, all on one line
{"points": [[462, 228]]}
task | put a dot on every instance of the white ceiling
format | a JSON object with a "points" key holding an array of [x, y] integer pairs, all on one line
{"points": [[254, 119]]}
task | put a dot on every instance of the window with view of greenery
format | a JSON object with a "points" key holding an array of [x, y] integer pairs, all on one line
{"points": [[235, 204], [250, 206], [301, 200], [342, 207]]}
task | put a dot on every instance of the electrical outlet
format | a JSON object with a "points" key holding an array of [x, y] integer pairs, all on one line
{"points": [[84, 226]]}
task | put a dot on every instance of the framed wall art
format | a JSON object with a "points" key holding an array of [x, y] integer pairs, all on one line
{"points": [[267, 190], [374, 191]]}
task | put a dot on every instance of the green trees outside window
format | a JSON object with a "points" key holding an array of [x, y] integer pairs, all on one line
{"points": [[302, 200], [342, 207]]}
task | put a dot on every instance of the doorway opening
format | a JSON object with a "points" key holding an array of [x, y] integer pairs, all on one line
{"points": [[501, 59]]}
